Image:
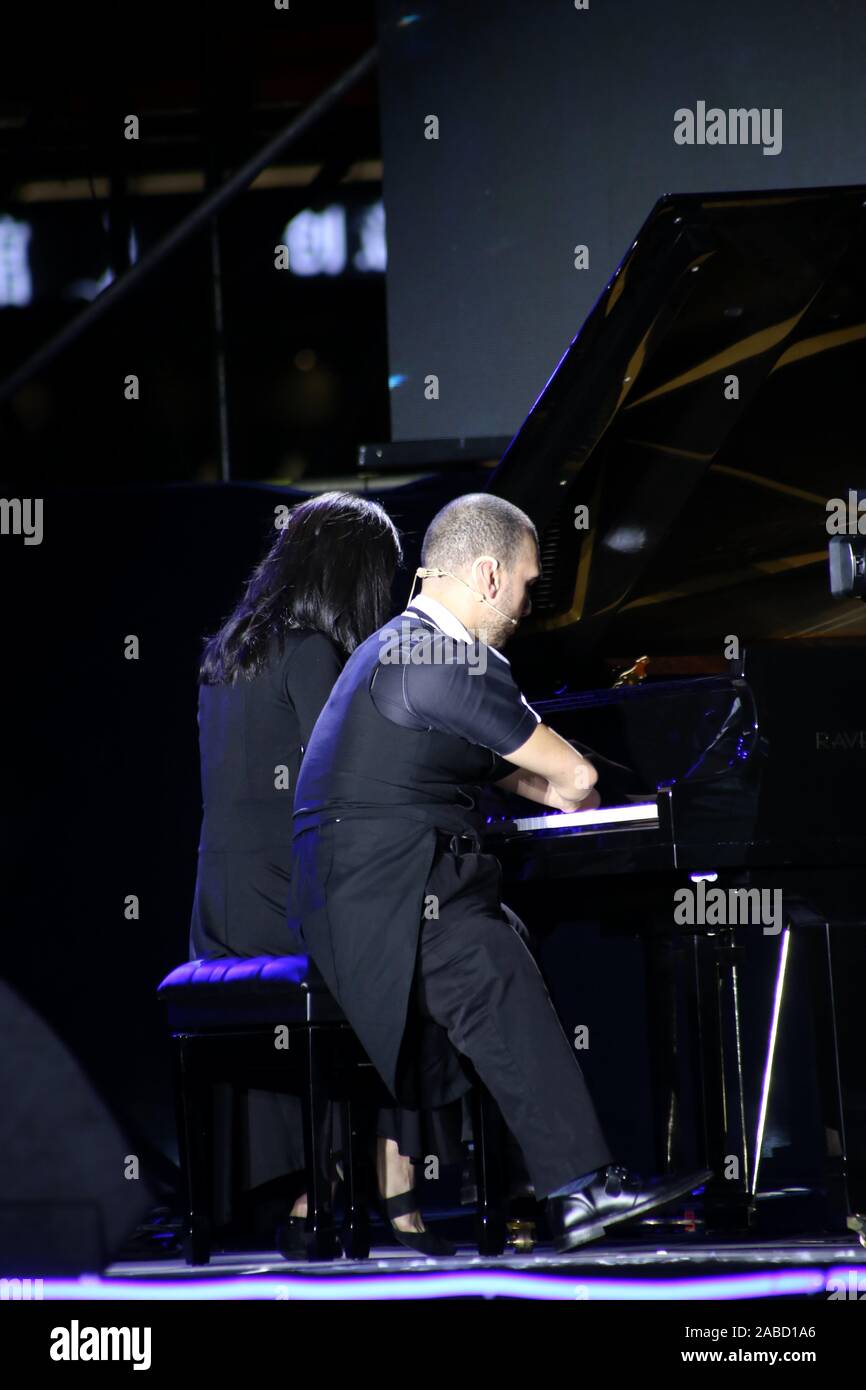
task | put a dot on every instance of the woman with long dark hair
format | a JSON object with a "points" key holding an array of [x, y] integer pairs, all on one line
{"points": [[322, 588]]}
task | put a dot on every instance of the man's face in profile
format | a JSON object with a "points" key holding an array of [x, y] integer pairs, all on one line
{"points": [[515, 599]]}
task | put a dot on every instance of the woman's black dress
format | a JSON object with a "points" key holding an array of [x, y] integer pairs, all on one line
{"points": [[251, 739]]}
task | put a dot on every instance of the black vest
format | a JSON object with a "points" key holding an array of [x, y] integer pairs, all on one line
{"points": [[370, 797], [360, 763]]}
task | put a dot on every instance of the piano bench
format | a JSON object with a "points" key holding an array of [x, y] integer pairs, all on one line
{"points": [[270, 1022]]}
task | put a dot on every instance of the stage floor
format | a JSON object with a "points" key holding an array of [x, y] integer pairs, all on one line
{"points": [[604, 1270]]}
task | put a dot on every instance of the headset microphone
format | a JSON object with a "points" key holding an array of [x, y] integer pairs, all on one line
{"points": [[434, 572]]}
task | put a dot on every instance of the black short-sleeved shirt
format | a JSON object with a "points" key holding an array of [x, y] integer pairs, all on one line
{"points": [[428, 680]]}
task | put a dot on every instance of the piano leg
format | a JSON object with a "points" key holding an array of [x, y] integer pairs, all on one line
{"points": [[489, 1140], [715, 1027], [660, 959], [835, 960]]}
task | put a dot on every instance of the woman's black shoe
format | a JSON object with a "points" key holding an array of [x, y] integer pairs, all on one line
{"points": [[425, 1242]]}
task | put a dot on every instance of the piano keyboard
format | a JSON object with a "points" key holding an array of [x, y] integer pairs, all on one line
{"points": [[643, 815]]}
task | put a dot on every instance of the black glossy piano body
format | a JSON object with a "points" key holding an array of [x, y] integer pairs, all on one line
{"points": [[678, 465]]}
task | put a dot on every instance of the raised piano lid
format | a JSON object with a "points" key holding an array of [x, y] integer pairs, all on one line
{"points": [[706, 506]]}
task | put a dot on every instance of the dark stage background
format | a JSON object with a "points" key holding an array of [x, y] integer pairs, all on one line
{"points": [[557, 129]]}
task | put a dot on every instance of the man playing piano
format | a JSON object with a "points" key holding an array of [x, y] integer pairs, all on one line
{"points": [[400, 909]]}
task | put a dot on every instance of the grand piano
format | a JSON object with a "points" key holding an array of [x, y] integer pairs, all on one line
{"points": [[678, 464]]}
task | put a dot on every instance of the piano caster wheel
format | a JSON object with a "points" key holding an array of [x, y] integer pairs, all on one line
{"points": [[521, 1236]]}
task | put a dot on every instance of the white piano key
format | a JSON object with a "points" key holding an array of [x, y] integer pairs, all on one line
{"points": [[642, 813]]}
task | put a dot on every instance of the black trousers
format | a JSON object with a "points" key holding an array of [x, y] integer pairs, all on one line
{"points": [[477, 978]]}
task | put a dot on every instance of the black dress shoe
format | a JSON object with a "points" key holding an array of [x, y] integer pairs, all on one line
{"points": [[614, 1195]]}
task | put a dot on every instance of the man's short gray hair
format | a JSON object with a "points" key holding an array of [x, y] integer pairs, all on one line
{"points": [[477, 524]]}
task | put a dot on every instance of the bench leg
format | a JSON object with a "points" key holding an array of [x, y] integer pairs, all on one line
{"points": [[487, 1125], [356, 1225], [194, 1103], [321, 1238]]}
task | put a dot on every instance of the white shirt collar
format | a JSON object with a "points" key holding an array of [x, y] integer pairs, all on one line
{"points": [[448, 622]]}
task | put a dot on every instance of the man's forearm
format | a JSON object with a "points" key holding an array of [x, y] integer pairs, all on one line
{"points": [[548, 757], [529, 784], [537, 788]]}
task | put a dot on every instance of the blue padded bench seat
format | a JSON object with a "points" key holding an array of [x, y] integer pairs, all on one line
{"points": [[233, 991]]}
